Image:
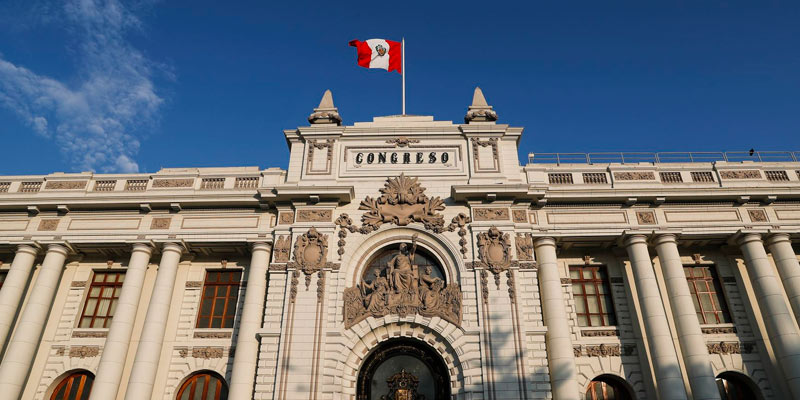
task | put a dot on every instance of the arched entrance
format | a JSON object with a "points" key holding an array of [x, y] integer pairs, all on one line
{"points": [[735, 386], [608, 387], [403, 369]]}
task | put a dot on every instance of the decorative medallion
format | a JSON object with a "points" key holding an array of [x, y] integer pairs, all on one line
{"points": [[84, 351], [494, 250], [757, 215], [646, 217], [311, 252], [281, 249], [160, 223], [520, 216], [285, 218], [48, 225], [401, 288]]}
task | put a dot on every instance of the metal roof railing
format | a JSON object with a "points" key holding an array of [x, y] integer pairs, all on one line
{"points": [[662, 157]]}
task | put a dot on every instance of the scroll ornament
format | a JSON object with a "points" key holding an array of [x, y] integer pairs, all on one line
{"points": [[311, 252]]}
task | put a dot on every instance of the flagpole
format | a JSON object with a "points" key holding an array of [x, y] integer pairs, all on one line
{"points": [[403, 67]]}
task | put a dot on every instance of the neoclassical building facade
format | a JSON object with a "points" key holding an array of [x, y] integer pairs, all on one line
{"points": [[405, 258]]}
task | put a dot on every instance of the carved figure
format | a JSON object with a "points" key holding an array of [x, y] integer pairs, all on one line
{"points": [[281, 248], [524, 247], [401, 268]]}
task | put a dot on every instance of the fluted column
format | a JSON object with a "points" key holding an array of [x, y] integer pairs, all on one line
{"points": [[690, 336], [560, 354], [669, 382], [112, 362], [14, 288], [22, 347], [788, 268], [145, 365], [244, 363], [778, 322]]}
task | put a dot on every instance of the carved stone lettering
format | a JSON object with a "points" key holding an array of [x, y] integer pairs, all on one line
{"points": [[314, 215], [48, 225], [400, 288], [281, 249], [524, 244], [161, 223], [741, 174], [173, 183], [646, 217], [65, 185], [634, 176], [491, 214], [285, 218]]}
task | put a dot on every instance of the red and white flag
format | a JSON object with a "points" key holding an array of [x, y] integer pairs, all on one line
{"points": [[379, 53]]}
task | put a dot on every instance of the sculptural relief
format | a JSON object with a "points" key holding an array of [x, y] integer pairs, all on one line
{"points": [[400, 287], [524, 244], [494, 250], [402, 201], [281, 248], [310, 252]]}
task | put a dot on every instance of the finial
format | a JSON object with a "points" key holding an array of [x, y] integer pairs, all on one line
{"points": [[326, 113], [480, 110]]}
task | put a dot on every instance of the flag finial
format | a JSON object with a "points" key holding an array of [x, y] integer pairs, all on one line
{"points": [[480, 110], [326, 113]]}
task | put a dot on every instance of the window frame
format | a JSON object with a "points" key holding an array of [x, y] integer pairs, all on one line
{"points": [[721, 298], [116, 285], [210, 317], [191, 380], [69, 378], [608, 318]]}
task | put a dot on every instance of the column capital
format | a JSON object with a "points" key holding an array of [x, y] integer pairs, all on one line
{"points": [[777, 238], [629, 239], [142, 247], [662, 238], [747, 237], [544, 241], [58, 248], [173, 246], [31, 249], [261, 246]]}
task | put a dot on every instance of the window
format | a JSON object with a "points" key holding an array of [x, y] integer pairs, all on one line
{"points": [[592, 296], [707, 294], [102, 300], [203, 386], [76, 386], [220, 295], [607, 388], [735, 386]]}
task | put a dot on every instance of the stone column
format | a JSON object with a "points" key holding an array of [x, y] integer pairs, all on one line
{"points": [[667, 370], [778, 321], [244, 362], [145, 365], [23, 345], [112, 362], [14, 288], [560, 354], [788, 268], [690, 336]]}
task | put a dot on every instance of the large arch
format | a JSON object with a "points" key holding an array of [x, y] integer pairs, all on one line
{"points": [[414, 364], [735, 385]]}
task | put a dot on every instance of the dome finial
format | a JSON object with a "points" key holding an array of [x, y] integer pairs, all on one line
{"points": [[326, 113], [480, 110]]}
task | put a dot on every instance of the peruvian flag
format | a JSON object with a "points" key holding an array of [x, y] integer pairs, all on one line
{"points": [[379, 53]]}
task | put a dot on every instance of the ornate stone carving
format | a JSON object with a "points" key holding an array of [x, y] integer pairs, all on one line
{"points": [[741, 174], [84, 351], [721, 330], [400, 288], [281, 248], [460, 221], [600, 333], [401, 141], [635, 176], [310, 252], [89, 334], [194, 284], [646, 217], [285, 218], [519, 216], [78, 284], [314, 145], [343, 222], [65, 185], [603, 350], [730, 348], [320, 285], [491, 214], [485, 286], [402, 386], [494, 250], [512, 289], [207, 352], [476, 143], [48, 225], [314, 215], [212, 335], [161, 223], [402, 201], [173, 183], [524, 242], [183, 352], [757, 215], [293, 289], [566, 281]]}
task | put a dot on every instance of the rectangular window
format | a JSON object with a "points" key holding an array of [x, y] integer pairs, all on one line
{"points": [[220, 295], [102, 300], [592, 295], [707, 294]]}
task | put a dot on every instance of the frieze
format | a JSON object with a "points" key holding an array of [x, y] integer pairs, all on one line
{"points": [[314, 215], [160, 223], [730, 348], [84, 351], [207, 353], [65, 185], [48, 225], [719, 330], [285, 218], [524, 243], [527, 266], [635, 176], [277, 267], [599, 333], [194, 284], [86, 335], [741, 174], [173, 183], [281, 249], [78, 284], [519, 216], [400, 288], [757, 215], [646, 217], [212, 335], [402, 141], [490, 214], [566, 281]]}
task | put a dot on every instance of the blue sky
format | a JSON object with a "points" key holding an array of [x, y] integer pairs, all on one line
{"points": [[135, 86]]}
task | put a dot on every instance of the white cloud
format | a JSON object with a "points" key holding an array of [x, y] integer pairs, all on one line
{"points": [[94, 121]]}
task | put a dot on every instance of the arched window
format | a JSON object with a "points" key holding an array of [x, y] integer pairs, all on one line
{"points": [[75, 386], [203, 386], [607, 387], [735, 386]]}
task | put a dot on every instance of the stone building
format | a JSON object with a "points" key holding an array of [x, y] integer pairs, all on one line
{"points": [[406, 257]]}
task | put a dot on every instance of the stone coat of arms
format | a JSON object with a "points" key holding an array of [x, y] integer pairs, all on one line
{"points": [[494, 250], [310, 252], [402, 201]]}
